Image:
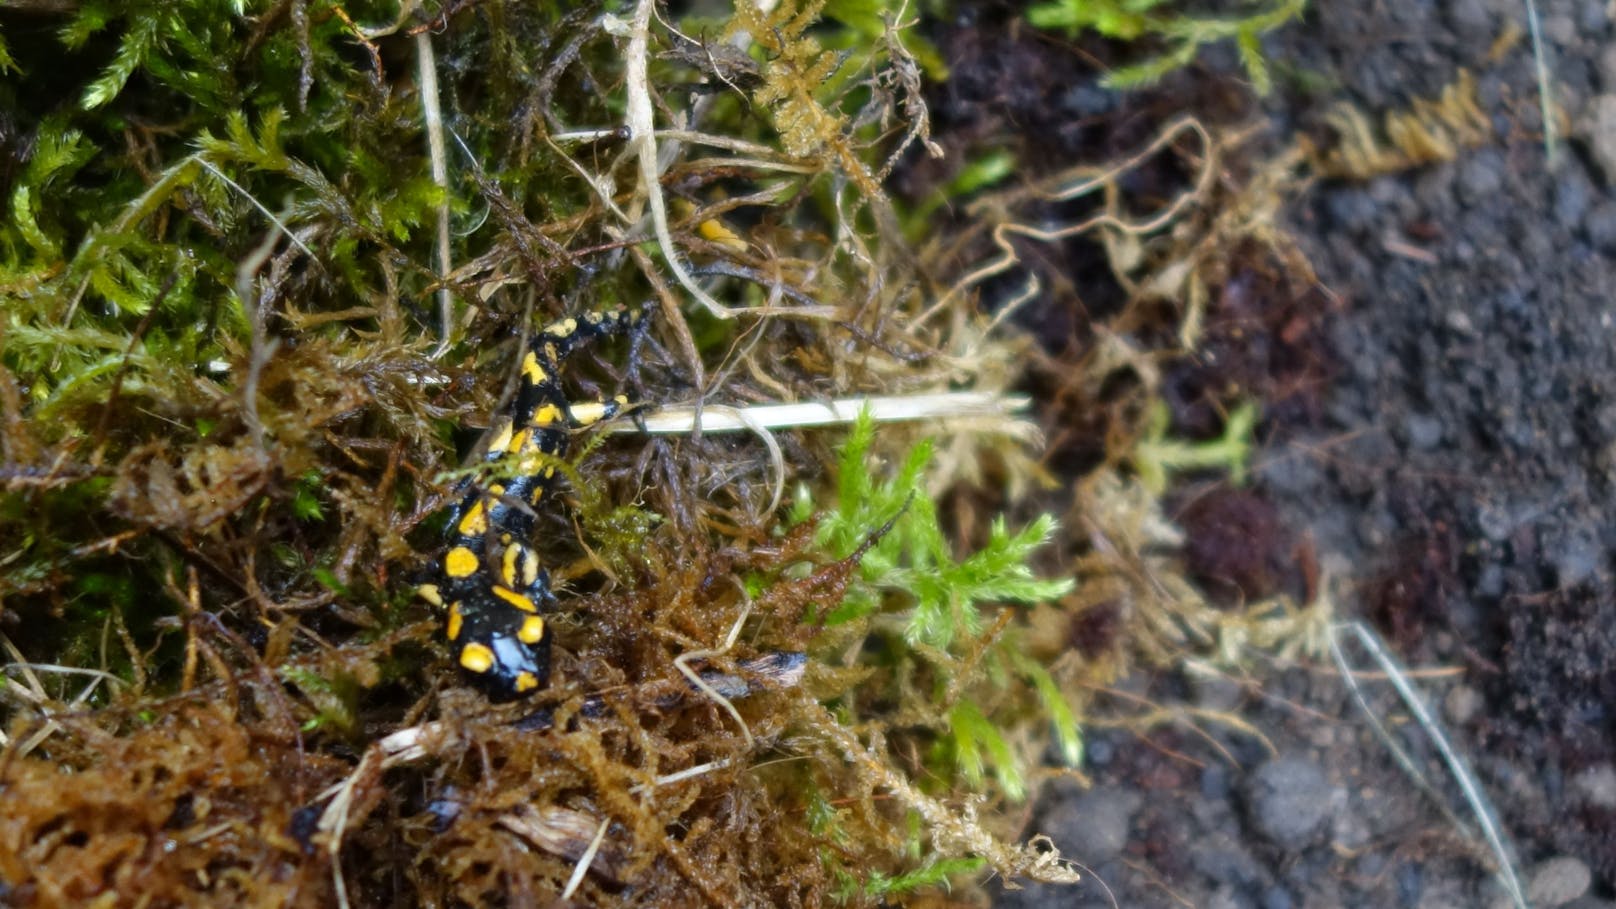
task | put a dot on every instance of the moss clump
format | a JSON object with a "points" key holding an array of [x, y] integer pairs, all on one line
{"points": [[272, 262]]}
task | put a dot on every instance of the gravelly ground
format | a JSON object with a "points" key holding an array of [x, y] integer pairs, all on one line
{"points": [[1454, 475]]}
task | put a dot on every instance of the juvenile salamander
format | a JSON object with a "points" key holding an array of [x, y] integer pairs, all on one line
{"points": [[488, 582]]}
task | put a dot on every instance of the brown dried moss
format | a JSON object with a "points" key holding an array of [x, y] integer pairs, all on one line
{"points": [[192, 808]]}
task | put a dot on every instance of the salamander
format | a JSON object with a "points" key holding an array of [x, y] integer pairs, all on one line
{"points": [[488, 582]]}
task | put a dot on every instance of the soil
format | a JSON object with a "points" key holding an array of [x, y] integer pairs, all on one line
{"points": [[1449, 470]]}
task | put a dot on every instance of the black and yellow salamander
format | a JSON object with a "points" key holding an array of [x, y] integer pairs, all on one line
{"points": [[488, 582]]}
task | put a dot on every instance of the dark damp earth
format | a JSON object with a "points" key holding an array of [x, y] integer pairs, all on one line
{"points": [[1447, 471]]}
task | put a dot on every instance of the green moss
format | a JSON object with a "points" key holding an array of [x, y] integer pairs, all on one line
{"points": [[1184, 33]]}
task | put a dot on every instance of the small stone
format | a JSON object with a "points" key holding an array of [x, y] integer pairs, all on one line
{"points": [[1558, 881], [1216, 692], [1410, 883], [1349, 829], [1470, 20], [1592, 18], [1562, 30], [1222, 857], [1481, 178], [1087, 100], [1495, 521], [1606, 68], [1277, 898], [1459, 321], [1573, 193], [1351, 209], [1423, 431], [1576, 560], [1462, 704], [1600, 226], [1599, 128], [1103, 818], [1288, 798], [1596, 786]]}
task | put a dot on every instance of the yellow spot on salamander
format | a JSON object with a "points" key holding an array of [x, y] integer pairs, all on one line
{"points": [[564, 328], [499, 440], [545, 416], [461, 562], [515, 599], [431, 594], [474, 523], [531, 369], [507, 566], [519, 444], [477, 657], [455, 621], [532, 630], [519, 567], [526, 681], [588, 413]]}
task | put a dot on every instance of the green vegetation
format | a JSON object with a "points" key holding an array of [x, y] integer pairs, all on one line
{"points": [[248, 330], [1156, 456], [926, 614], [1184, 33]]}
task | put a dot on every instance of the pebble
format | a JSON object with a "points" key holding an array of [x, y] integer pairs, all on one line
{"points": [[1221, 857], [1287, 799], [1600, 226], [1605, 66], [1461, 704], [1496, 521], [1351, 209], [1592, 18], [1573, 192], [1105, 816], [1471, 21], [1576, 560], [1596, 786], [1423, 431], [1558, 881], [1599, 128], [1410, 883], [1216, 692], [1349, 828], [1560, 29], [1481, 178], [1277, 898]]}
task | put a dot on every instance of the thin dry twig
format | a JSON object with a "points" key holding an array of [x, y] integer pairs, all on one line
{"points": [[994, 412]]}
